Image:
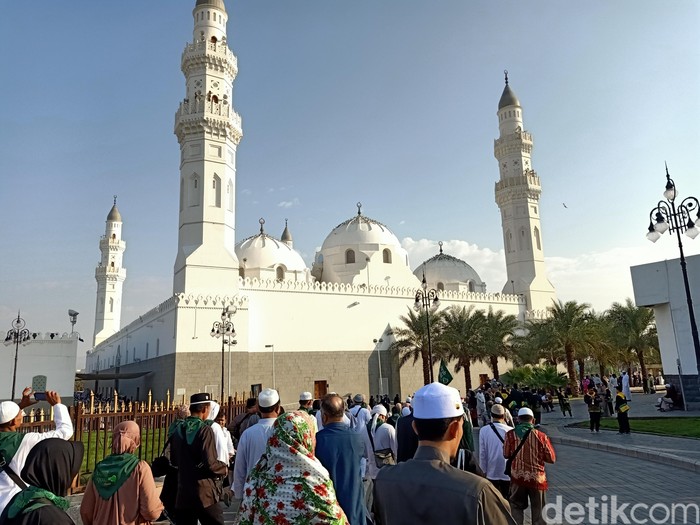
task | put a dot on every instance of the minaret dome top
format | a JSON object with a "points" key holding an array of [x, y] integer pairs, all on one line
{"points": [[219, 4], [114, 215], [508, 98]]}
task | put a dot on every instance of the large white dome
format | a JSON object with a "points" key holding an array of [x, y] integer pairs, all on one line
{"points": [[266, 252], [447, 272], [360, 230]]}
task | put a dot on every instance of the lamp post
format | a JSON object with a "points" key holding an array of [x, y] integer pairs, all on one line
{"points": [[16, 335], [429, 301], [671, 217], [223, 329], [274, 379], [379, 364]]}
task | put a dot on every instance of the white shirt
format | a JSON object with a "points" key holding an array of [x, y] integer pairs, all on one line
{"points": [[251, 447], [220, 441], [64, 430], [491, 458], [319, 422], [480, 402], [229, 442], [362, 417], [384, 437]]}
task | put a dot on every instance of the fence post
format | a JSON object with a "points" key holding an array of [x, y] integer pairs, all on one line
{"points": [[150, 399]]}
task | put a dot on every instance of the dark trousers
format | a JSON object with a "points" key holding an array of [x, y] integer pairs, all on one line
{"points": [[502, 486], [213, 515], [595, 420], [519, 498], [623, 422]]}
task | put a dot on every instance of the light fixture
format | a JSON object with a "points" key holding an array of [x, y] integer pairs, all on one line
{"points": [[653, 235], [670, 193], [661, 225]]}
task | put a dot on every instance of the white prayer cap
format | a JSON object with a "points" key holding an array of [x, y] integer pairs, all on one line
{"points": [[405, 411], [379, 409], [498, 400], [8, 411], [525, 412], [409, 399], [668, 385], [305, 396], [437, 401], [498, 410], [268, 398]]}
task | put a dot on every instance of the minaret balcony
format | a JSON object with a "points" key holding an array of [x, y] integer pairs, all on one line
{"points": [[198, 52], [520, 141], [111, 244], [193, 112], [111, 273]]}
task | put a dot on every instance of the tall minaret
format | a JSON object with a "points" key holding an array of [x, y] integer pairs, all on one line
{"points": [[110, 275], [517, 195], [208, 131]]}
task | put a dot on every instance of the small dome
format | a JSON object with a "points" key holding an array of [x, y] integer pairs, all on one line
{"points": [[114, 215], [360, 230], [266, 252], [508, 98], [449, 270], [219, 4], [286, 235]]}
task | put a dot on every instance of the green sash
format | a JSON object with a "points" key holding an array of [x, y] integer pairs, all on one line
{"points": [[111, 473], [9, 443], [522, 428], [30, 499], [188, 428]]}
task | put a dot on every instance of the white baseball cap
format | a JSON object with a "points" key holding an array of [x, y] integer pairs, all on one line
{"points": [[437, 401], [268, 398], [8, 411], [305, 396], [525, 412]]}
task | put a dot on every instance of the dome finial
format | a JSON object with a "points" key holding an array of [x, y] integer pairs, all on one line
{"points": [[261, 221], [359, 208], [115, 200], [440, 245], [505, 72]]}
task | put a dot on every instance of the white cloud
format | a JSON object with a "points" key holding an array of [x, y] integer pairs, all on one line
{"points": [[246, 191], [597, 278], [288, 204]]}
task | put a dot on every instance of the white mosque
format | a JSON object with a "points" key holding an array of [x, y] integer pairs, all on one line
{"points": [[324, 328]]}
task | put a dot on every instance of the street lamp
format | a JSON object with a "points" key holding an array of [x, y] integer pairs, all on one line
{"points": [[379, 364], [18, 334], [274, 379], [671, 217], [223, 329], [429, 301]]}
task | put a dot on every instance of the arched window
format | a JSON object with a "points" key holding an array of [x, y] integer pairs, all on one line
{"points": [[213, 40], [536, 231], [441, 287], [523, 240], [126, 361], [146, 350], [114, 236], [509, 240], [193, 199], [229, 195], [349, 256], [280, 273], [182, 194], [111, 305], [111, 265], [386, 255], [157, 347], [216, 191], [470, 286]]}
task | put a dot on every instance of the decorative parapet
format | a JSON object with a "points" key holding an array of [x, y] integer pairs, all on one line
{"points": [[218, 52], [519, 141], [534, 315], [209, 301], [406, 292], [195, 115], [522, 186]]}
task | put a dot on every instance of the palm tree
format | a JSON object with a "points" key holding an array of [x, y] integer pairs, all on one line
{"points": [[411, 342], [500, 328], [634, 329], [566, 328], [462, 338]]}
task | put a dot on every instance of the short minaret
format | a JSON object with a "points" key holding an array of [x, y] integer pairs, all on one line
{"points": [[287, 236], [208, 131], [110, 276], [517, 195]]}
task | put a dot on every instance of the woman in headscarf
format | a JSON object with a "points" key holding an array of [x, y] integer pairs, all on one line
{"points": [[122, 490], [49, 471], [289, 485]]}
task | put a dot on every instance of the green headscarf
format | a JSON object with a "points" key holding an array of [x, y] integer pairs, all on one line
{"points": [[111, 473], [9, 443], [30, 499], [521, 428]]}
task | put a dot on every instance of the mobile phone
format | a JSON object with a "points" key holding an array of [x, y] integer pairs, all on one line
{"points": [[40, 396]]}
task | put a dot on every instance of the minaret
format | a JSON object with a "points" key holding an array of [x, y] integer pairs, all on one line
{"points": [[110, 275], [208, 131], [287, 236], [517, 195]]}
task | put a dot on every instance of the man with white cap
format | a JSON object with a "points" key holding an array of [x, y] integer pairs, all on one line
{"points": [[527, 450], [380, 448], [491, 460], [508, 417], [427, 489], [15, 446], [200, 472], [305, 402], [359, 414], [253, 441]]}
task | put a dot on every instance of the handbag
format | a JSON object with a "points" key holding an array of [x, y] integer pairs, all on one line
{"points": [[382, 457], [160, 466], [624, 408], [509, 461]]}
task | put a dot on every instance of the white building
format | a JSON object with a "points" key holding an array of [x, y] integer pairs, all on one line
{"points": [[297, 328], [660, 286]]}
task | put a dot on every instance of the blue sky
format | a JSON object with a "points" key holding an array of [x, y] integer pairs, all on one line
{"points": [[391, 103]]}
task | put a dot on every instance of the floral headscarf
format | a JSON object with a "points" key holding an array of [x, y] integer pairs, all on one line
{"points": [[289, 486]]}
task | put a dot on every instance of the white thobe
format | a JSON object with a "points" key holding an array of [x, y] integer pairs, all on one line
{"points": [[251, 447]]}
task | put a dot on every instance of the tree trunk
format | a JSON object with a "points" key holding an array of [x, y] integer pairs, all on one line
{"points": [[601, 371], [467, 367], [642, 365], [494, 367], [570, 370], [581, 371]]}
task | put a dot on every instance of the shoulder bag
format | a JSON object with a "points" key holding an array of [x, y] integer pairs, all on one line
{"points": [[382, 457], [509, 461]]}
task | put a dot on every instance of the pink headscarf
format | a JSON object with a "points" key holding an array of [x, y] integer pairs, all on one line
{"points": [[126, 437]]}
